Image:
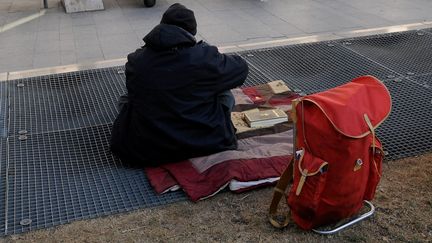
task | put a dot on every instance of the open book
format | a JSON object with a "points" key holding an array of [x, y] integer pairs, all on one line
{"points": [[265, 118]]}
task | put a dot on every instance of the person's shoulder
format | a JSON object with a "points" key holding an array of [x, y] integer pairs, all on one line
{"points": [[203, 44], [136, 54], [206, 49]]}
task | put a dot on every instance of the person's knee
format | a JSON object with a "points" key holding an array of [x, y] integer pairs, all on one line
{"points": [[226, 98]]}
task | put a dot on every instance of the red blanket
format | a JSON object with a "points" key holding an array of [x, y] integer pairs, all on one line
{"points": [[262, 155]]}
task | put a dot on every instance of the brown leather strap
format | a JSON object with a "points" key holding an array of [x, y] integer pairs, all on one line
{"points": [[278, 193], [372, 129]]}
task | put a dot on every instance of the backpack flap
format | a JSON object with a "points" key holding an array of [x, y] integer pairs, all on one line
{"points": [[345, 106]]}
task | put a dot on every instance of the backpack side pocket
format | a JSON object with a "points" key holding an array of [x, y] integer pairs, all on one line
{"points": [[375, 168], [310, 174]]}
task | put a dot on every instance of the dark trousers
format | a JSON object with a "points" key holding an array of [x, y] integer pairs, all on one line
{"points": [[226, 98]]}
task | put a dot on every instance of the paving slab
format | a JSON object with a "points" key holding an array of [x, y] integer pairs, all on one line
{"points": [[26, 25]]}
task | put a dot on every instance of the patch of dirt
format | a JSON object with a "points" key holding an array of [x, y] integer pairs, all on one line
{"points": [[403, 213]]}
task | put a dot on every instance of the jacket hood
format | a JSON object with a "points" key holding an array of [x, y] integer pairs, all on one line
{"points": [[179, 15], [165, 36]]}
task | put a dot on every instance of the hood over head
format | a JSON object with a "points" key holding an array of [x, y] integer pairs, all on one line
{"points": [[178, 15], [165, 36]]}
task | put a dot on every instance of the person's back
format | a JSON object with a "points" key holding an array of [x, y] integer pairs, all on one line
{"points": [[174, 109]]}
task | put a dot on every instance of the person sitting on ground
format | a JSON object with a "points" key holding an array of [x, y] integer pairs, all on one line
{"points": [[178, 103]]}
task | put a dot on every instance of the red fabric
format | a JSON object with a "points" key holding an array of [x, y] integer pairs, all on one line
{"points": [[160, 179], [282, 100], [254, 95], [199, 185], [337, 191], [256, 160]]}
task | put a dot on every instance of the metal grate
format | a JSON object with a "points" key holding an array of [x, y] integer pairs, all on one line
{"points": [[3, 164], [58, 177], [255, 77], [314, 67], [3, 109], [405, 53], [424, 81], [428, 30], [407, 131], [65, 101]]}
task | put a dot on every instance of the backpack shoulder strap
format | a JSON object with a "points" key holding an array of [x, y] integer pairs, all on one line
{"points": [[279, 192]]}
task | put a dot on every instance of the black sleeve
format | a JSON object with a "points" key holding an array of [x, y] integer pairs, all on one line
{"points": [[228, 70]]}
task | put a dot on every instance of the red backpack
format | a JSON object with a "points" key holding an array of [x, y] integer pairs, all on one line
{"points": [[338, 162]]}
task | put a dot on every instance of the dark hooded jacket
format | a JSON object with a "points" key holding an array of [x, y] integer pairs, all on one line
{"points": [[173, 112]]}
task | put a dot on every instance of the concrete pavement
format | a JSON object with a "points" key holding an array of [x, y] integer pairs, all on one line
{"points": [[32, 37]]}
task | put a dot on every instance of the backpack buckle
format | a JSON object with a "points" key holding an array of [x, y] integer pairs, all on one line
{"points": [[358, 164]]}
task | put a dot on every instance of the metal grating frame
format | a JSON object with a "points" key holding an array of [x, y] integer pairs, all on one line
{"points": [[405, 53], [3, 164], [65, 101], [3, 109], [310, 68], [58, 177], [424, 81], [408, 129], [63, 169]]}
